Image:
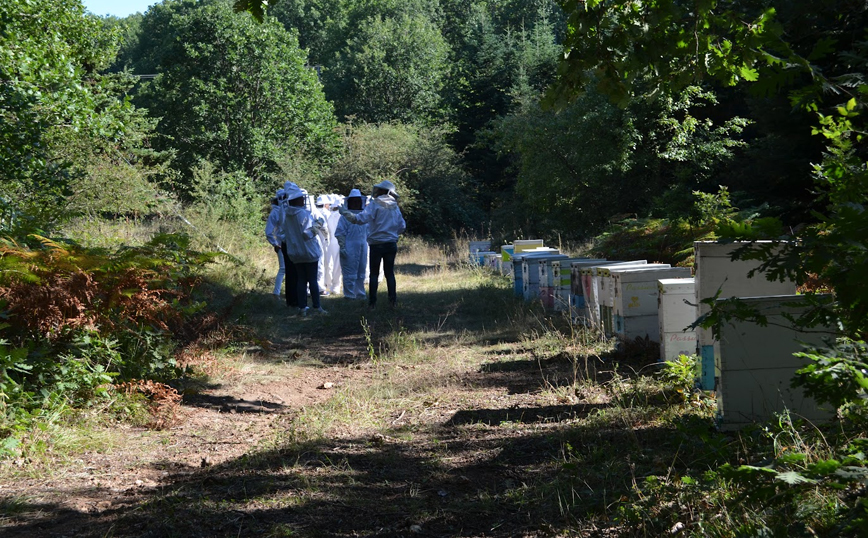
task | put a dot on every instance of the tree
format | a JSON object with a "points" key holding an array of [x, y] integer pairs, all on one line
{"points": [[130, 33], [436, 193], [739, 42], [233, 92], [318, 24], [582, 165], [51, 92], [392, 69]]}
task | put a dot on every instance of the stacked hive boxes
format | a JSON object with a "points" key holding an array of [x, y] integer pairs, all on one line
{"points": [[561, 276], [676, 311], [634, 301], [530, 264], [757, 364], [591, 289], [606, 292], [717, 275], [478, 249], [520, 270], [578, 299], [553, 281]]}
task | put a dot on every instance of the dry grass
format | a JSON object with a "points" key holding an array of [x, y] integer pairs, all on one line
{"points": [[462, 412]]}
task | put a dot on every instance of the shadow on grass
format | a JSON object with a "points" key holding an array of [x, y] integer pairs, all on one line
{"points": [[523, 415], [414, 269], [229, 404], [498, 472], [464, 478]]}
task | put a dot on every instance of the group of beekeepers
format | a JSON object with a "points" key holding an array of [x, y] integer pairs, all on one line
{"points": [[325, 240]]}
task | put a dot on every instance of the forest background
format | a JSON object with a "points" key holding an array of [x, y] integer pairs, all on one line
{"points": [[191, 102], [625, 125], [135, 152]]}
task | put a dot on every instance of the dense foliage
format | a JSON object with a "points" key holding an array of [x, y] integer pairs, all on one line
{"points": [[232, 92], [53, 95], [78, 319], [427, 172]]}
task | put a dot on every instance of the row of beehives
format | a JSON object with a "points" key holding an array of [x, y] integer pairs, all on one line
{"points": [[749, 366]]}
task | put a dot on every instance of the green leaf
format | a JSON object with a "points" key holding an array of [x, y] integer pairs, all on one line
{"points": [[749, 74], [824, 467], [254, 7], [793, 478]]}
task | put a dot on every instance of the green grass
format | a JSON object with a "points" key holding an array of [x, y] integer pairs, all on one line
{"points": [[472, 413]]}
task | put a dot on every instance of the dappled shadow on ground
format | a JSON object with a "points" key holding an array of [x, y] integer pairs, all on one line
{"points": [[454, 480], [230, 404], [522, 372], [479, 468], [525, 415], [414, 269]]}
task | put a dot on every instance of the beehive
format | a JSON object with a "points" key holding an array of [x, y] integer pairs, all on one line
{"points": [[676, 312], [634, 310], [715, 270], [757, 365]]}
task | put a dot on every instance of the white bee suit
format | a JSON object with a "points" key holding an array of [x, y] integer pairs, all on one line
{"points": [[332, 254], [353, 253], [322, 237]]}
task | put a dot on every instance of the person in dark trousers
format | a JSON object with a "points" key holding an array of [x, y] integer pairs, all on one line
{"points": [[290, 274], [385, 224], [300, 230]]}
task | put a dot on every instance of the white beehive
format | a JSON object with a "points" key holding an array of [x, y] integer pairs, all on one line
{"points": [[634, 301], [676, 312], [591, 288], [481, 256], [606, 292], [506, 252], [757, 365], [531, 272], [491, 260], [520, 245], [476, 247], [715, 271]]}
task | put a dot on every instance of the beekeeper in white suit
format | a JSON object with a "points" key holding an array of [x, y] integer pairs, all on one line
{"points": [[300, 230], [319, 213], [333, 263], [385, 224], [353, 244]]}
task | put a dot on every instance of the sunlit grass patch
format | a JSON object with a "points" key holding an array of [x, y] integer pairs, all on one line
{"points": [[54, 442]]}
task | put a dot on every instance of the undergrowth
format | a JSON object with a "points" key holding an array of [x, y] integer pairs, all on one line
{"points": [[588, 439], [81, 324]]}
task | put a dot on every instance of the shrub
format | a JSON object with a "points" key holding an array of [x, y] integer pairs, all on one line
{"points": [[77, 318]]}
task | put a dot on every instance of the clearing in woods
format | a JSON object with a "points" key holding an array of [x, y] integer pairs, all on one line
{"points": [[462, 412]]}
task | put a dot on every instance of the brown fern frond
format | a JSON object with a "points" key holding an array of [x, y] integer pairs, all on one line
{"points": [[164, 402]]}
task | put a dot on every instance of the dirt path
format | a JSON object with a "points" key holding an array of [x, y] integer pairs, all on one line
{"points": [[217, 425], [471, 455]]}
